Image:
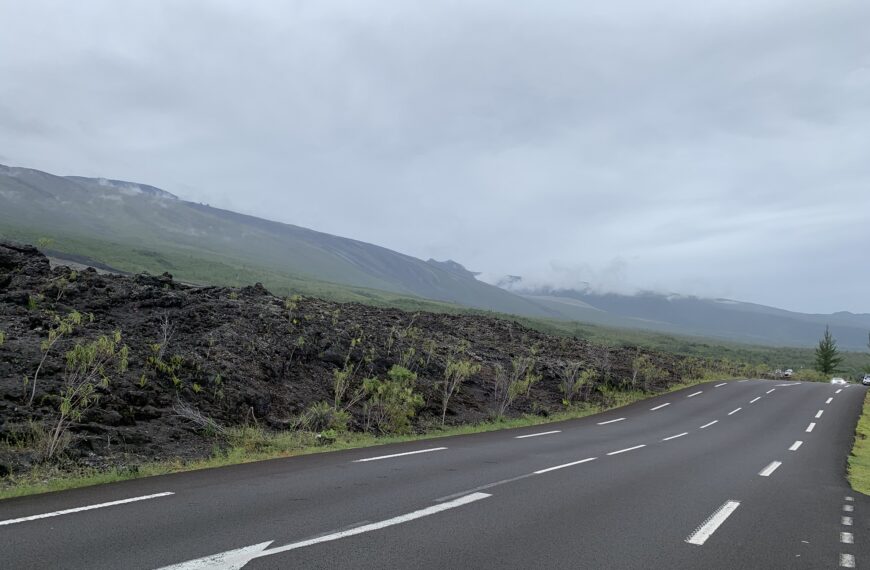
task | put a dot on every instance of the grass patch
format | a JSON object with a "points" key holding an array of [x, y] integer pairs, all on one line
{"points": [[859, 459], [250, 444]]}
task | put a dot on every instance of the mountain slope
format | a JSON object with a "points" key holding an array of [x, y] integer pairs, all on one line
{"points": [[148, 222]]}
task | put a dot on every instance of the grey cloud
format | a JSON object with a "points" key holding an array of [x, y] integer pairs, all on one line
{"points": [[713, 147]]}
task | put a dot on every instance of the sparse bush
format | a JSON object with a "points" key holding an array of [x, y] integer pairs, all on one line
{"points": [[249, 438], [63, 326], [455, 373], [88, 366], [205, 423], [324, 417], [572, 380], [392, 402], [642, 368], [2, 338], [508, 384]]}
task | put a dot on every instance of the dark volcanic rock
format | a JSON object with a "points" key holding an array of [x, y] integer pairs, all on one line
{"points": [[243, 356]]}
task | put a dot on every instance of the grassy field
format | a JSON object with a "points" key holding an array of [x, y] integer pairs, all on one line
{"points": [[248, 444], [859, 460]]}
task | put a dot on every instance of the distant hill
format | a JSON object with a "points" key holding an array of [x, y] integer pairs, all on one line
{"points": [[134, 227], [714, 318]]}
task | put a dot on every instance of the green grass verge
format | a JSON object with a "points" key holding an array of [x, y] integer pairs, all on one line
{"points": [[247, 445], [859, 459]]}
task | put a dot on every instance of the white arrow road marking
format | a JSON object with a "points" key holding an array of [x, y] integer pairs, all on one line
{"points": [[399, 454], [706, 530], [236, 559], [80, 509]]}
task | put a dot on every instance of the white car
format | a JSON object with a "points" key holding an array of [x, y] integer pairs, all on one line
{"points": [[837, 380], [788, 373]]}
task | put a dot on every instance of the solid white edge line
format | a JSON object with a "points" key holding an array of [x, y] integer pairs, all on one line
{"points": [[626, 449], [770, 468], [610, 421], [676, 436], [695, 394], [795, 445], [734, 411], [548, 469], [87, 508], [829, 400], [659, 407], [754, 400], [819, 414], [771, 390], [847, 561], [847, 538], [719, 385], [537, 434], [713, 522], [399, 454], [811, 426], [709, 424]]}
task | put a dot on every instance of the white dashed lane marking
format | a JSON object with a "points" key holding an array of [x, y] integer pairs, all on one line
{"points": [[539, 433], [847, 561], [847, 538], [695, 394], [829, 400], [610, 421], [720, 385], [659, 407], [81, 509], [752, 401], [392, 455], [713, 522], [795, 446], [732, 412], [770, 468], [819, 414], [846, 521], [811, 426], [676, 436], [709, 424], [564, 465], [626, 449]]}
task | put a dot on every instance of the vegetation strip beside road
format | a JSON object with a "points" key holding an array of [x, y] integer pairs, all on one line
{"points": [[250, 444], [859, 460]]}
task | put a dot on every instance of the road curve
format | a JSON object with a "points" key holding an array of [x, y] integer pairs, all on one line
{"points": [[743, 474]]}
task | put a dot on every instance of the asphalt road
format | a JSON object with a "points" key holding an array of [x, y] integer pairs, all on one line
{"points": [[679, 481]]}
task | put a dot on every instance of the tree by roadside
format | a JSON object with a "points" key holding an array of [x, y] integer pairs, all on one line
{"points": [[827, 354]]}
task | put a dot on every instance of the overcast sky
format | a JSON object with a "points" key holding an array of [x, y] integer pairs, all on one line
{"points": [[718, 148]]}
